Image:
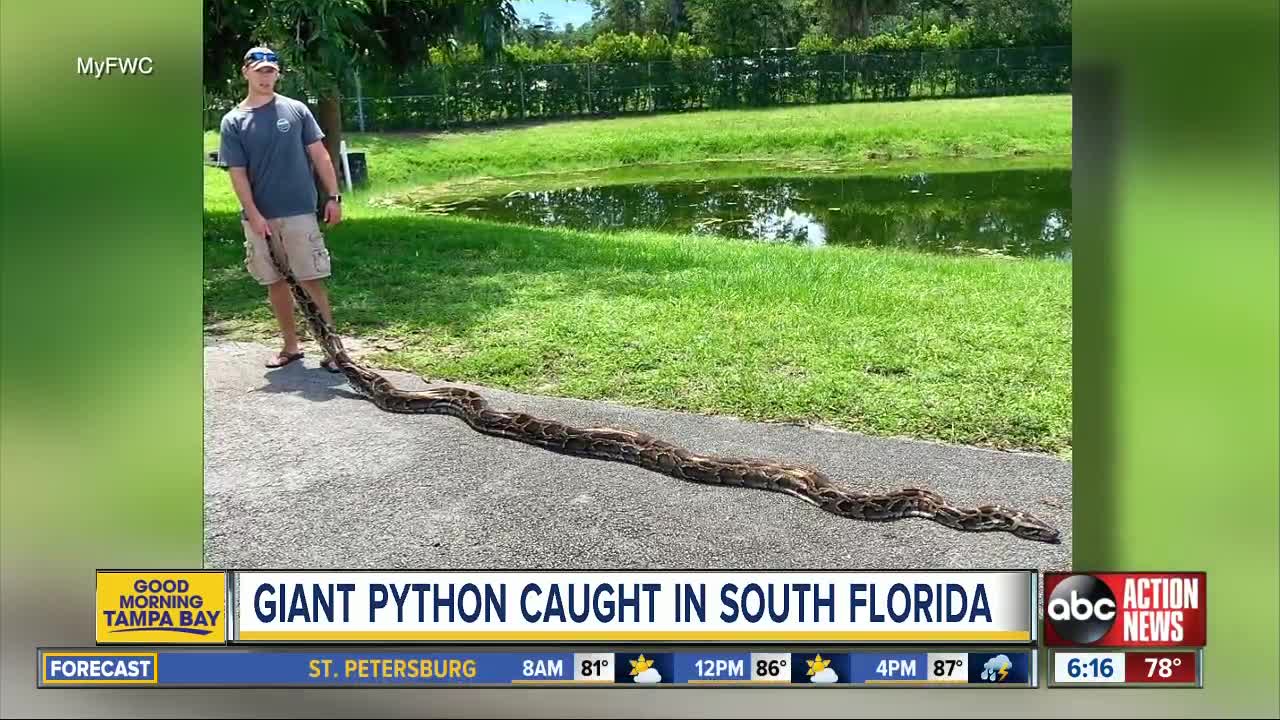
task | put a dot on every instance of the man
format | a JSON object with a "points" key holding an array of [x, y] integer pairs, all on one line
{"points": [[271, 145]]}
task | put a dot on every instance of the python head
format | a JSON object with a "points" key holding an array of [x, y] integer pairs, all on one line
{"points": [[1030, 527]]}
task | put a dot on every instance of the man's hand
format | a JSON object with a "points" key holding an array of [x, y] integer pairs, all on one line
{"points": [[258, 224], [332, 212]]}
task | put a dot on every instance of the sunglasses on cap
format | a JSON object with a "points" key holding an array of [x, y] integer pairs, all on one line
{"points": [[260, 56]]}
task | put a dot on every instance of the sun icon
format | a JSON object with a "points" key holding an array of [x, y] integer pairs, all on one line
{"points": [[817, 665], [640, 665]]}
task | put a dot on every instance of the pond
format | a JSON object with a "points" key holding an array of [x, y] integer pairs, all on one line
{"points": [[1023, 213]]}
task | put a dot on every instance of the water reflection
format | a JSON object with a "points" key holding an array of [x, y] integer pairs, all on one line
{"points": [[1017, 212]]}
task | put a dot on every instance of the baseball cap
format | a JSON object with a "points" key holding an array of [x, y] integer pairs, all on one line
{"points": [[261, 57]]}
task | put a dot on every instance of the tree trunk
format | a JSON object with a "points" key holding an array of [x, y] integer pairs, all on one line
{"points": [[860, 19], [675, 9], [329, 115], [849, 18]]}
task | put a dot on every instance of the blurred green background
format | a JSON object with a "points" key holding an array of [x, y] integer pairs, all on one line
{"points": [[1178, 325], [1190, 475]]}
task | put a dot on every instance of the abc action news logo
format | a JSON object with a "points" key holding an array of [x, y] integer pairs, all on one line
{"points": [[1125, 609]]}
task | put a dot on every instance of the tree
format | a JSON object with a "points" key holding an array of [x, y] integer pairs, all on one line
{"points": [[541, 32], [577, 35], [619, 16], [1018, 22], [491, 23], [667, 17], [229, 30], [745, 27], [677, 18], [851, 18], [321, 42]]}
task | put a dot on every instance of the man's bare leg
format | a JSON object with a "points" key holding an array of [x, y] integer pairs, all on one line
{"points": [[318, 293], [282, 306]]}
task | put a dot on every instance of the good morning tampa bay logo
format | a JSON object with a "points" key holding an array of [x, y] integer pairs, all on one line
{"points": [[153, 608]]}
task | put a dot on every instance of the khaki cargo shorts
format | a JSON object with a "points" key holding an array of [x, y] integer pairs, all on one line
{"points": [[299, 237]]}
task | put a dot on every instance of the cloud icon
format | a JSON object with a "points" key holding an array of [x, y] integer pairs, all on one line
{"points": [[649, 676], [827, 675], [996, 669]]}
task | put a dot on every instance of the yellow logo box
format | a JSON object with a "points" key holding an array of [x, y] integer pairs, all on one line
{"points": [[144, 607]]}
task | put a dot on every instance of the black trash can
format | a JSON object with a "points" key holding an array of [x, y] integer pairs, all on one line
{"points": [[359, 169]]}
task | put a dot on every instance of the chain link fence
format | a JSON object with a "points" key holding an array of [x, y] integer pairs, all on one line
{"points": [[445, 97]]}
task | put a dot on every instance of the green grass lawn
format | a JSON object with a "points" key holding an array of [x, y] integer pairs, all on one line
{"points": [[966, 350]]}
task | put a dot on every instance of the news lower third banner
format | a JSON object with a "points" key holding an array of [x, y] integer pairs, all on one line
{"points": [[146, 607], [277, 667]]}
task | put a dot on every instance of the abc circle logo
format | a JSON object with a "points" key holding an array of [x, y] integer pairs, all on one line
{"points": [[1082, 609]]}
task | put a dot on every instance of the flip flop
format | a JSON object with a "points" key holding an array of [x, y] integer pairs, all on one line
{"points": [[276, 361]]}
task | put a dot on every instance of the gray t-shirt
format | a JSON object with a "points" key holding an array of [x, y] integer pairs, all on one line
{"points": [[270, 140]]}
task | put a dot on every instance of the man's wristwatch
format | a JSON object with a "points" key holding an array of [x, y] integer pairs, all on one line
{"points": [[335, 198]]}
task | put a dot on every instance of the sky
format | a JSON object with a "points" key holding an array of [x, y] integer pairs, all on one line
{"points": [[563, 11]]}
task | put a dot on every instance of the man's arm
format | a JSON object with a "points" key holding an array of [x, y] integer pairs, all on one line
{"points": [[240, 181], [323, 168], [232, 153], [244, 191]]}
